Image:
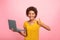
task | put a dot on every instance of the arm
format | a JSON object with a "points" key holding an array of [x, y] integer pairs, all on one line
{"points": [[43, 25], [23, 33]]}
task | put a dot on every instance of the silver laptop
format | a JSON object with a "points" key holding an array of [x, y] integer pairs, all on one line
{"points": [[12, 24]]}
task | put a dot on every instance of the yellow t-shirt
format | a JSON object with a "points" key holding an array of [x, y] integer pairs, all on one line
{"points": [[32, 31]]}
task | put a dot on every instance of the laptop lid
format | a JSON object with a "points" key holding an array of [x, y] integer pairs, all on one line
{"points": [[12, 24]]}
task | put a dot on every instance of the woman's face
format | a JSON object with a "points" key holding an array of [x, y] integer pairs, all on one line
{"points": [[31, 15]]}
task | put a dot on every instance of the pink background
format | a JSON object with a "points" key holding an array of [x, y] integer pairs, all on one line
{"points": [[48, 12]]}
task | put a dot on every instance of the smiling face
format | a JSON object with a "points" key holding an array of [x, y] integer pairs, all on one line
{"points": [[31, 15], [31, 12]]}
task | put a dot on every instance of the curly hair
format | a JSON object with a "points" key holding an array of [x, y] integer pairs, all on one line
{"points": [[33, 9]]}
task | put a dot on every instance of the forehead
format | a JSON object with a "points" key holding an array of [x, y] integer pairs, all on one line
{"points": [[31, 11]]}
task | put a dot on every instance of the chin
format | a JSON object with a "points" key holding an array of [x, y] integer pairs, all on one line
{"points": [[31, 18]]}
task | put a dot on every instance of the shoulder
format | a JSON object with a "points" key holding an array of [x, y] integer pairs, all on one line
{"points": [[25, 23]]}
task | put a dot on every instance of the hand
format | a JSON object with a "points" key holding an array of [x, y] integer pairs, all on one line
{"points": [[12, 29], [43, 25], [38, 21]]}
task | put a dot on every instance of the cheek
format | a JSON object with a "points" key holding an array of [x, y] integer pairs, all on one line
{"points": [[29, 15], [34, 15]]}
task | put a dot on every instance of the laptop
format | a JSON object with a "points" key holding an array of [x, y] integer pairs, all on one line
{"points": [[12, 24]]}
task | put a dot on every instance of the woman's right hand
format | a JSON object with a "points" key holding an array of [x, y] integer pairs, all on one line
{"points": [[12, 29]]}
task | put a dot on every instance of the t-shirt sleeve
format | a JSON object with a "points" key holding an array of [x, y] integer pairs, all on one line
{"points": [[24, 25]]}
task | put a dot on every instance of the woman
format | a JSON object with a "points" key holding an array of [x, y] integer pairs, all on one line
{"points": [[32, 25]]}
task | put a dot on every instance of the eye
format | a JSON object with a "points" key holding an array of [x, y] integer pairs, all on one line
{"points": [[33, 13]]}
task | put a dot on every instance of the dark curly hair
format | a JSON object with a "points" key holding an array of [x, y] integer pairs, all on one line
{"points": [[33, 9]]}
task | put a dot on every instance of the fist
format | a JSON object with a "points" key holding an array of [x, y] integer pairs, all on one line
{"points": [[38, 21]]}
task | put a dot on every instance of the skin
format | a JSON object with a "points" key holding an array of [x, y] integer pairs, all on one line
{"points": [[31, 20]]}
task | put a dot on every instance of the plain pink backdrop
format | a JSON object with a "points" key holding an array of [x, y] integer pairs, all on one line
{"points": [[48, 12]]}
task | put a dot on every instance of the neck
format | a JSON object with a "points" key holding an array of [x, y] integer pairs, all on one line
{"points": [[31, 20]]}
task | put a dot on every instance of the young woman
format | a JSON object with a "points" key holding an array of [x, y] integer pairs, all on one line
{"points": [[32, 25]]}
